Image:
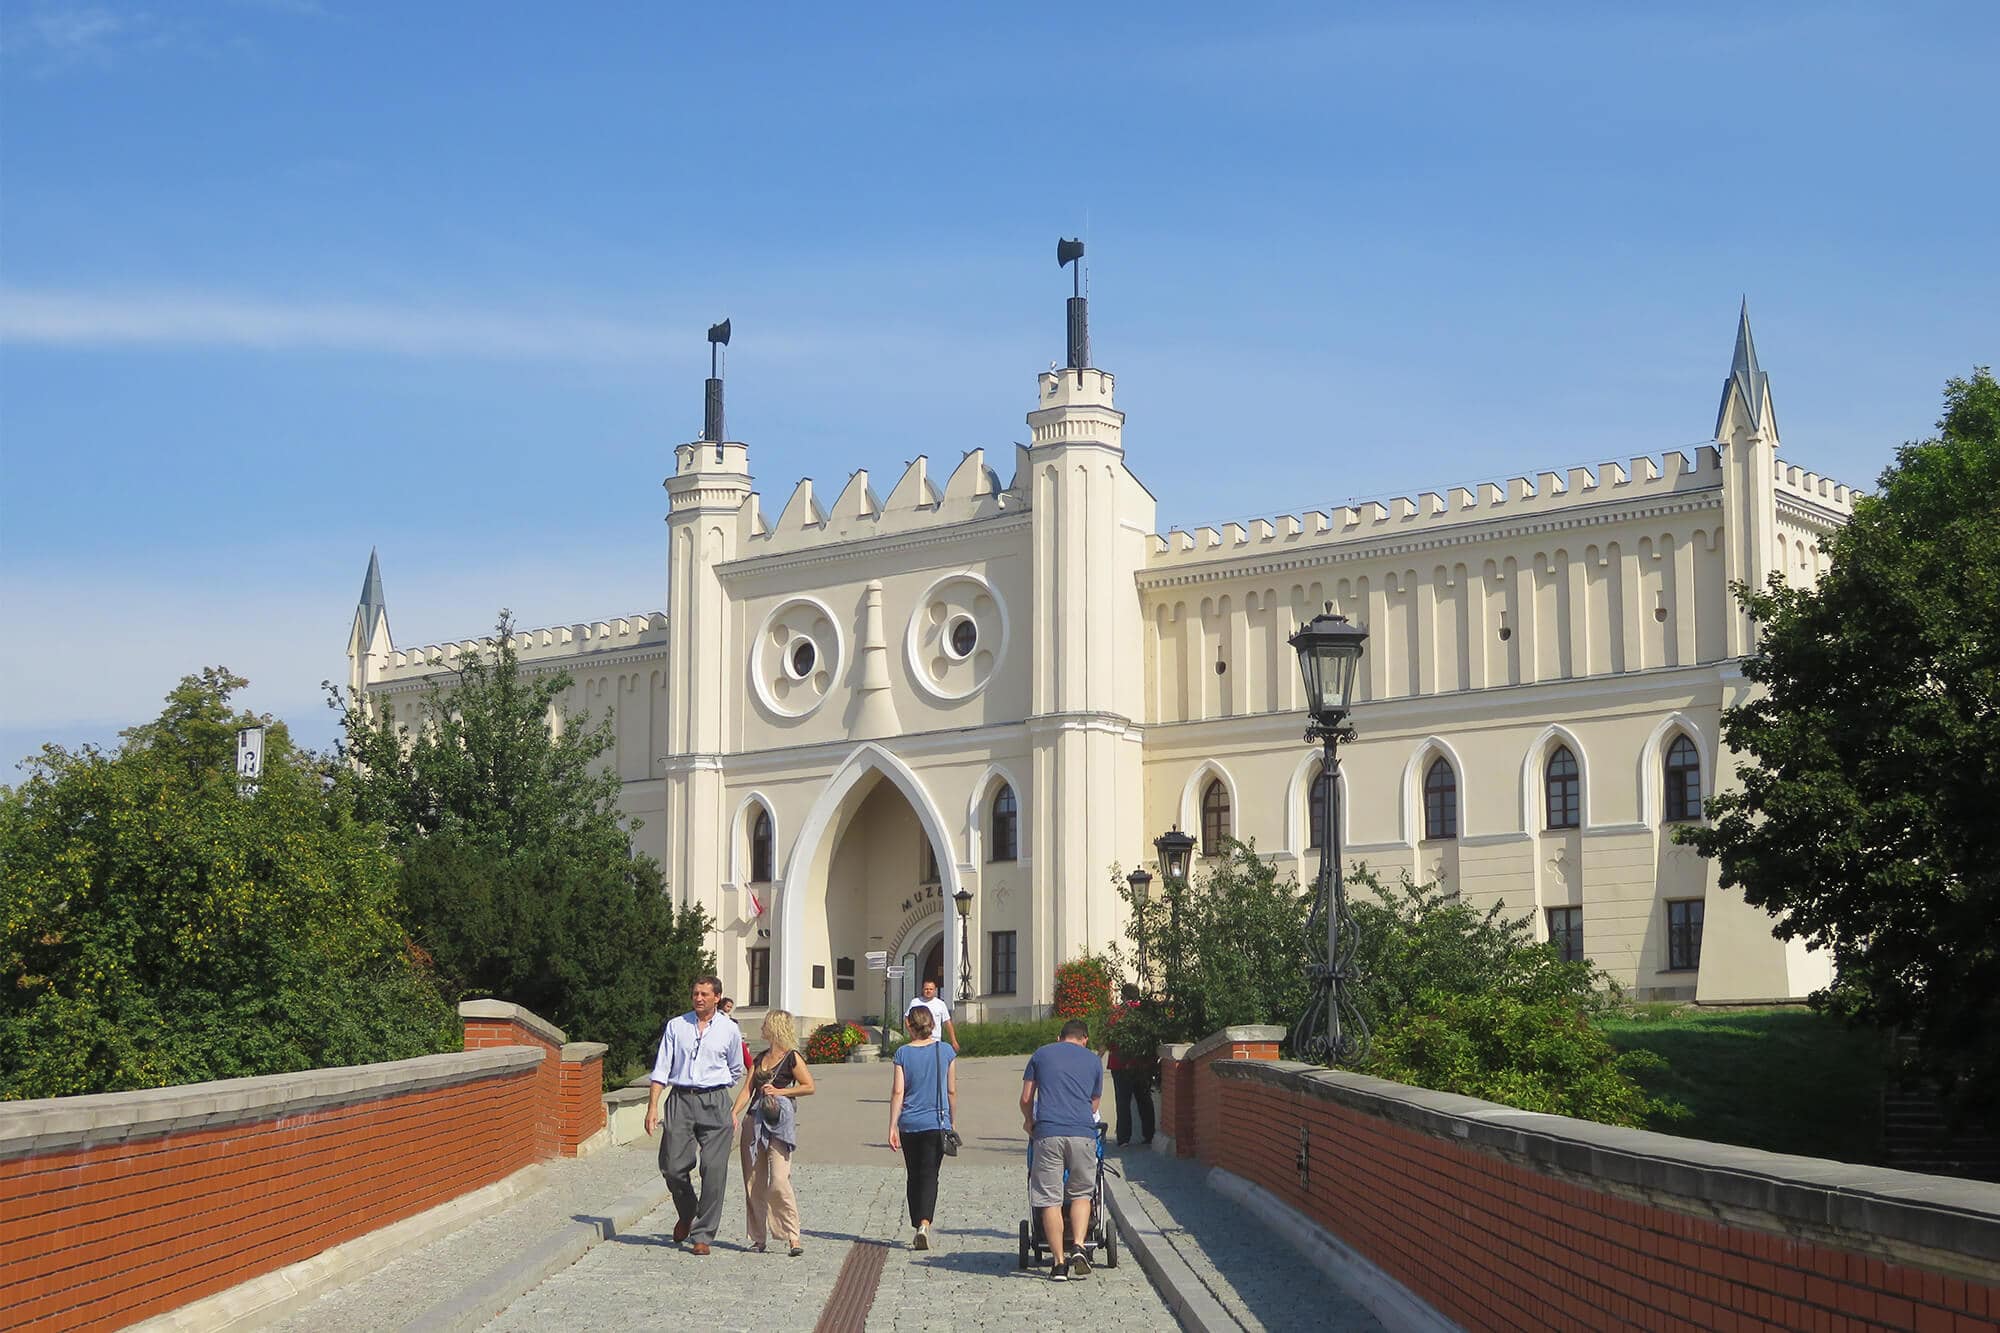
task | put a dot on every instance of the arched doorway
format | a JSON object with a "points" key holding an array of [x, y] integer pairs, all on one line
{"points": [[857, 884], [933, 968]]}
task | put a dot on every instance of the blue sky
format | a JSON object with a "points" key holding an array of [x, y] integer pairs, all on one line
{"points": [[282, 281]]}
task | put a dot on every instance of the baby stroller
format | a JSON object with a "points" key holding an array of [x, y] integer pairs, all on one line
{"points": [[1099, 1242]]}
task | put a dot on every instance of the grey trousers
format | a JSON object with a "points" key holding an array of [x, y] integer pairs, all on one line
{"points": [[698, 1128]]}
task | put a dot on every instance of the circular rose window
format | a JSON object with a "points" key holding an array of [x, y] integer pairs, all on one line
{"points": [[796, 656], [957, 636]]}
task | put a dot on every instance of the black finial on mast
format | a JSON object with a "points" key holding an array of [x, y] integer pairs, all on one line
{"points": [[1071, 252], [711, 411]]}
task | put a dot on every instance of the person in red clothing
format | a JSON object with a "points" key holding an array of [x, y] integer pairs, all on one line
{"points": [[1131, 1075], [725, 1004]]}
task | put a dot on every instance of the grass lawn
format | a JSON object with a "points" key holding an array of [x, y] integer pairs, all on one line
{"points": [[1785, 1080]]}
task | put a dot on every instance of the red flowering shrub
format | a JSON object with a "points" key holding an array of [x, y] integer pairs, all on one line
{"points": [[831, 1043], [1083, 987]]}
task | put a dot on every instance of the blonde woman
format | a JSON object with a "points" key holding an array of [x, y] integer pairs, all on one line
{"points": [[770, 1132]]}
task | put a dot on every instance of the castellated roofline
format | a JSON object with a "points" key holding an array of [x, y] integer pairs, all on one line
{"points": [[973, 491], [1516, 497], [535, 646]]}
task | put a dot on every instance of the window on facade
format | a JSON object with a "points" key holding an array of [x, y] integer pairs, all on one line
{"points": [[760, 847], [1316, 809], [1214, 817], [1000, 961], [1683, 785], [1684, 935], [1440, 800], [1566, 932], [1565, 793], [928, 874], [760, 977], [1005, 844]]}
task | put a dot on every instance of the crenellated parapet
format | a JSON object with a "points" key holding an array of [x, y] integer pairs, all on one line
{"points": [[1815, 490], [534, 647], [858, 511], [1521, 497]]}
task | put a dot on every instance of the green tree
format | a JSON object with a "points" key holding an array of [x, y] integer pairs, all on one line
{"points": [[160, 926], [1865, 820], [519, 878]]}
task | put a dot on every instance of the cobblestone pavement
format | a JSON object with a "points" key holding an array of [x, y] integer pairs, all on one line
{"points": [[392, 1295], [969, 1281], [1261, 1281]]}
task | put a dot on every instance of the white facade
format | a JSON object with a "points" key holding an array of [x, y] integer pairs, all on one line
{"points": [[854, 682]]}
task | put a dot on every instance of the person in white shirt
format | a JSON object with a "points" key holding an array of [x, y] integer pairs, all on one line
{"points": [[698, 1066], [940, 1014]]}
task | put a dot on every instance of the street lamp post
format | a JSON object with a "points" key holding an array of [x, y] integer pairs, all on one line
{"points": [[963, 900], [1174, 847], [1141, 881], [1331, 1030]]}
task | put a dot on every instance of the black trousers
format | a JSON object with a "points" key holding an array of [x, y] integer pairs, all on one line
{"points": [[923, 1153], [1130, 1087]]}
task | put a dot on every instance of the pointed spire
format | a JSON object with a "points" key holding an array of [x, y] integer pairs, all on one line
{"points": [[1747, 379], [373, 605]]}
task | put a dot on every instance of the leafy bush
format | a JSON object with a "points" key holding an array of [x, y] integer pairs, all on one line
{"points": [[1083, 987], [1133, 1031], [159, 926], [832, 1043], [1468, 1001], [1011, 1038], [1226, 950]]}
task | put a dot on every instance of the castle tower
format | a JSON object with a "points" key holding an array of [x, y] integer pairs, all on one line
{"points": [[368, 642], [1746, 428], [1090, 517], [710, 484]]}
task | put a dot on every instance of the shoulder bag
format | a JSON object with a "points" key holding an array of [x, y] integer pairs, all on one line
{"points": [[951, 1139]]}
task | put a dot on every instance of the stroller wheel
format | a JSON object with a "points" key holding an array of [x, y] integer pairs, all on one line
{"points": [[1027, 1244], [1110, 1246]]}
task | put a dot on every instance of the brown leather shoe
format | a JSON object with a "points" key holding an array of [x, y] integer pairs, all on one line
{"points": [[699, 1249], [681, 1230]]}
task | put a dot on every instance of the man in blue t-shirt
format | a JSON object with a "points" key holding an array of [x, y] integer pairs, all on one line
{"points": [[1059, 1095]]}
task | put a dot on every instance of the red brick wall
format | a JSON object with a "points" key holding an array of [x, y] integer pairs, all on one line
{"points": [[1494, 1244], [105, 1236], [1177, 1104], [582, 1101], [481, 1033]]}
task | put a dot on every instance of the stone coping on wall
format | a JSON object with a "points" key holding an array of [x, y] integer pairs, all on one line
{"points": [[1236, 1036], [575, 1052], [100, 1119], [503, 1010], [1941, 1218]]}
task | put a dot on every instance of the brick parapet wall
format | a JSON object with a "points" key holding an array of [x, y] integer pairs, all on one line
{"points": [[1505, 1219], [493, 1023], [1189, 1119], [117, 1207], [582, 1101]]}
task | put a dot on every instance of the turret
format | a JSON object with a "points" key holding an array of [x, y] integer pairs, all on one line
{"points": [[1746, 432], [368, 642]]}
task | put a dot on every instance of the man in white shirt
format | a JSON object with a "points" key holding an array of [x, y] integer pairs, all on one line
{"points": [[696, 1071], [943, 1025]]}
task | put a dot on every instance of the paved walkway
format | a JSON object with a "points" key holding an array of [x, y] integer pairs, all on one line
{"points": [[851, 1199]]}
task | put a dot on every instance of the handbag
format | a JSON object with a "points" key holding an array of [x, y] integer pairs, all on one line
{"points": [[950, 1135], [768, 1104]]}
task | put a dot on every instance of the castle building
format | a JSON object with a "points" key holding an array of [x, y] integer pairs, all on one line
{"points": [[856, 709]]}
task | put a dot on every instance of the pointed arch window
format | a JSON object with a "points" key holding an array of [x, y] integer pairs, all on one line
{"points": [[1006, 841], [760, 847], [1316, 808], [1214, 817], [1565, 790], [927, 872], [1440, 800], [1683, 779]]}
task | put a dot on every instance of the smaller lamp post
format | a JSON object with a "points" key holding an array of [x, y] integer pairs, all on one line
{"points": [[1329, 652], [963, 900], [1175, 848], [1141, 881]]}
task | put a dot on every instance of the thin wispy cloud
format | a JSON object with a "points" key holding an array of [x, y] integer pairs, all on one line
{"points": [[162, 318]]}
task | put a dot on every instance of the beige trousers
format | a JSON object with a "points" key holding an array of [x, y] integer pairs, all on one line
{"points": [[767, 1192]]}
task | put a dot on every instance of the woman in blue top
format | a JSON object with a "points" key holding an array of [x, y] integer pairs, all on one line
{"points": [[923, 1102]]}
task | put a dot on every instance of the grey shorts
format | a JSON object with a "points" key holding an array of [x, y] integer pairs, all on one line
{"points": [[1076, 1154]]}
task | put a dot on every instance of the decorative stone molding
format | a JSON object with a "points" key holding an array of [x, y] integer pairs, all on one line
{"points": [[504, 1012]]}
